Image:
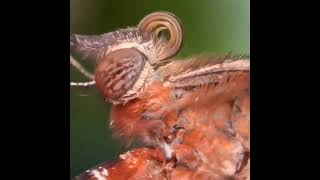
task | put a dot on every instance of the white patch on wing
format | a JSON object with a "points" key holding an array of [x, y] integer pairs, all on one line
{"points": [[167, 150], [100, 173]]}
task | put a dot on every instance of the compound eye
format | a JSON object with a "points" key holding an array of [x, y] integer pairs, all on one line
{"points": [[118, 72]]}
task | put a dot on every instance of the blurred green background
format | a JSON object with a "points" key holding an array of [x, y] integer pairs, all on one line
{"points": [[211, 26]]}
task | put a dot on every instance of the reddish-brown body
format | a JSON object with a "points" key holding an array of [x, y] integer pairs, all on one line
{"points": [[132, 120], [214, 141]]}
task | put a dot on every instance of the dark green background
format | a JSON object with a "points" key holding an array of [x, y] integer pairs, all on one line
{"points": [[211, 26]]}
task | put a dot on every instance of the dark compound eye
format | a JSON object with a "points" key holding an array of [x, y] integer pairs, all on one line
{"points": [[118, 72], [177, 127]]}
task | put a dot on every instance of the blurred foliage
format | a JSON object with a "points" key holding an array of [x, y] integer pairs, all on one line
{"points": [[211, 26]]}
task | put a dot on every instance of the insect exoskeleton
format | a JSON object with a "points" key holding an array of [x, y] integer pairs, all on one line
{"points": [[117, 73]]}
